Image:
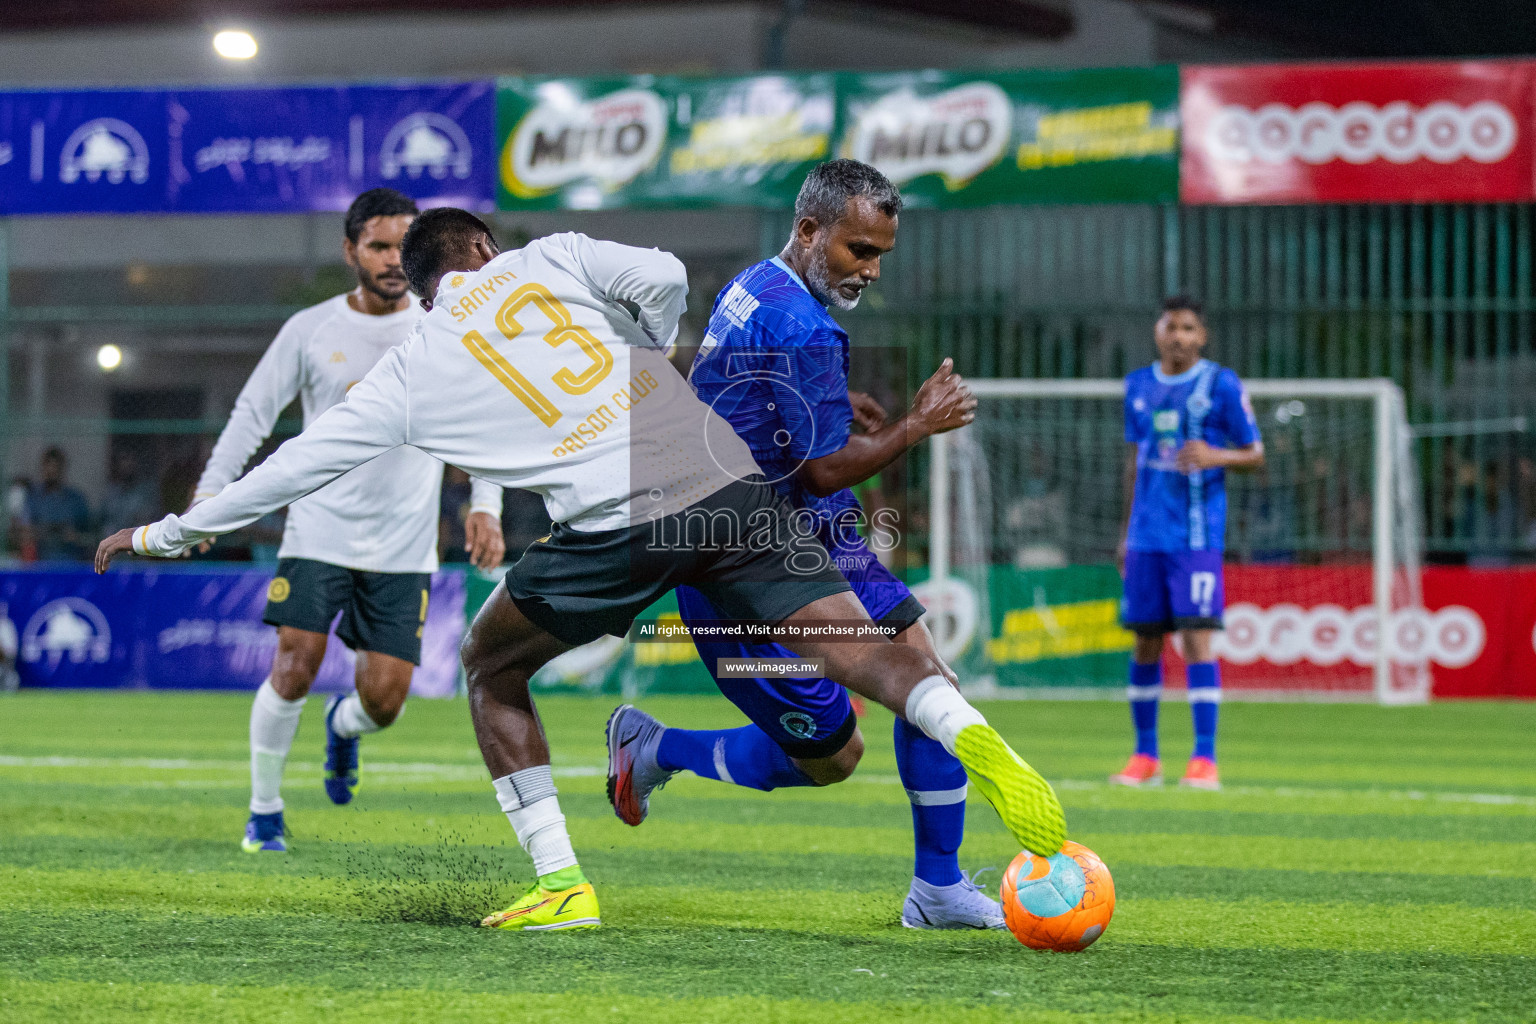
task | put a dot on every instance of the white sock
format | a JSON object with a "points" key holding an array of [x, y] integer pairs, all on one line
{"points": [[351, 720], [273, 723], [937, 708], [529, 800]]}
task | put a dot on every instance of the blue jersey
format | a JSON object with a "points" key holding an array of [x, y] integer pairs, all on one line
{"points": [[774, 364], [1174, 511]]}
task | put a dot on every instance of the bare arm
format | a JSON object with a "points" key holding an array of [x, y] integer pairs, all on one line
{"points": [[942, 404], [1197, 455], [483, 539]]}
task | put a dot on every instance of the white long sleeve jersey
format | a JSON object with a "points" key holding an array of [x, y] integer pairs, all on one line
{"points": [[380, 517], [527, 373]]}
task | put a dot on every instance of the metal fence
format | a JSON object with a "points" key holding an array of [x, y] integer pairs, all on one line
{"points": [[1439, 298]]}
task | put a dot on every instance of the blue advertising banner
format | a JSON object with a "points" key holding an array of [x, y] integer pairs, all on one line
{"points": [[100, 152], [246, 150], [180, 628]]}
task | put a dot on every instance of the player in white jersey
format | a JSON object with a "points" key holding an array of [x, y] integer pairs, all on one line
{"points": [[364, 545], [529, 372]]}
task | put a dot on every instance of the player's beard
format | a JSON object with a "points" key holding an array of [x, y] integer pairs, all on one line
{"points": [[826, 290], [390, 288]]}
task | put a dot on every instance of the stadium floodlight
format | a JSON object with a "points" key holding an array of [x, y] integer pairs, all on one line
{"points": [[109, 357], [1332, 525], [234, 44]]}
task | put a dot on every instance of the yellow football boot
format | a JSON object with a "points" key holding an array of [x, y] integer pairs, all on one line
{"points": [[1022, 798], [541, 910]]}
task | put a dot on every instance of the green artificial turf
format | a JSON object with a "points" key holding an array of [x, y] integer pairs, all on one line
{"points": [[1363, 863]]}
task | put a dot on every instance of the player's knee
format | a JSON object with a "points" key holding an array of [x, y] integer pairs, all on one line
{"points": [[382, 708], [294, 671], [1149, 648], [829, 771]]}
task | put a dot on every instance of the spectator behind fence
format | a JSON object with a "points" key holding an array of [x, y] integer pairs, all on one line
{"points": [[130, 499], [455, 502], [58, 519], [18, 538]]}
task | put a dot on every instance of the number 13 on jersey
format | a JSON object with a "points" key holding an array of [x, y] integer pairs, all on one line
{"points": [[562, 329]]}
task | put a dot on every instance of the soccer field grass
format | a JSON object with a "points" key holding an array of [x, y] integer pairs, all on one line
{"points": [[1363, 864]]}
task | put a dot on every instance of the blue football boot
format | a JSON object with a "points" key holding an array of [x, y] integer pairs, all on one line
{"points": [[264, 834], [340, 758]]}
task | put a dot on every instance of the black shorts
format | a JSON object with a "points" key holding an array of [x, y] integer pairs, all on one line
{"points": [[743, 547], [383, 612]]}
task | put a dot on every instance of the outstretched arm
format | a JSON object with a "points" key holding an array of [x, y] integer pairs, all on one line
{"points": [[942, 404], [369, 423]]}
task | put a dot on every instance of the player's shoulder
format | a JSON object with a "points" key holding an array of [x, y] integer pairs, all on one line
{"points": [[1226, 378], [769, 300], [1140, 378], [560, 241], [312, 318], [310, 322]]}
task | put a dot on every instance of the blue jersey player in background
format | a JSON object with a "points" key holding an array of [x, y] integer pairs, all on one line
{"points": [[774, 365], [1188, 421]]}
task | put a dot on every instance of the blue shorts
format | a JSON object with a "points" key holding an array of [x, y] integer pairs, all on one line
{"points": [[1169, 590], [808, 718]]}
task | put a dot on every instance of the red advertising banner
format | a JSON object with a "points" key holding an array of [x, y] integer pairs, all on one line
{"points": [[1314, 628], [1348, 133]]}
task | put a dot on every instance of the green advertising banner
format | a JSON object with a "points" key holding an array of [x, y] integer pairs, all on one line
{"points": [[599, 143], [578, 143], [948, 139], [1045, 628], [745, 141]]}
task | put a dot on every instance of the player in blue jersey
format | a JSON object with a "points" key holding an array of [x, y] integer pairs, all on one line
{"points": [[1188, 421], [775, 366]]}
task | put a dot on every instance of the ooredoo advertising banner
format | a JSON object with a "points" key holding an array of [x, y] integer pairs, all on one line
{"points": [[1341, 133]]}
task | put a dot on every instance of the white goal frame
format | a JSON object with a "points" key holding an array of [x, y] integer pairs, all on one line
{"points": [[1389, 437]]}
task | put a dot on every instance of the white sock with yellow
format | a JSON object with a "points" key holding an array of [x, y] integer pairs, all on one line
{"points": [[528, 797]]}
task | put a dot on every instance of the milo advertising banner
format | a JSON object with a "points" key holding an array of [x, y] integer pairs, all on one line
{"points": [[578, 144], [746, 141], [949, 139], [605, 142]]}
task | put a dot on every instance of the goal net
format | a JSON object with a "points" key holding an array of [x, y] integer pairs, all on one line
{"points": [[1322, 546]]}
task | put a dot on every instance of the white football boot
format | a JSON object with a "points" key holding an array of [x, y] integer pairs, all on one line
{"points": [[961, 905]]}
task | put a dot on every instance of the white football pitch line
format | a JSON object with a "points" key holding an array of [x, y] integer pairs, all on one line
{"points": [[471, 773]]}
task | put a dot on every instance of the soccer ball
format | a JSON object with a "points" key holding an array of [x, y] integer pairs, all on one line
{"points": [[1061, 903]]}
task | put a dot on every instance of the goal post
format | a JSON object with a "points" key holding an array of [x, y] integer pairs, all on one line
{"points": [[1323, 545]]}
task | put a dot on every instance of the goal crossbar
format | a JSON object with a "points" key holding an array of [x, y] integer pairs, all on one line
{"points": [[1387, 434]]}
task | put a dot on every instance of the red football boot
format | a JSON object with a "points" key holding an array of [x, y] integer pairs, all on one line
{"points": [[1140, 770]]}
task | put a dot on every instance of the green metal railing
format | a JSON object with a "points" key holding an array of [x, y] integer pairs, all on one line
{"points": [[1438, 298]]}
